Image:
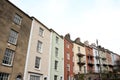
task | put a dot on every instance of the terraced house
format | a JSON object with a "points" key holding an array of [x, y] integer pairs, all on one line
{"points": [[56, 57], [109, 61], [96, 58], [79, 57], [103, 60], [31, 51], [89, 57], [37, 62], [15, 26], [68, 58]]}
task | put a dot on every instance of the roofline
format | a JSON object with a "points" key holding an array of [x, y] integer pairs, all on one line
{"points": [[18, 9], [82, 44], [40, 23], [56, 33], [68, 40]]}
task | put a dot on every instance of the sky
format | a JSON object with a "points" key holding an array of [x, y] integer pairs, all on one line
{"points": [[87, 19]]}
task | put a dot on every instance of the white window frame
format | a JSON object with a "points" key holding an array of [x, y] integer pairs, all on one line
{"points": [[67, 45], [41, 32], [38, 64], [13, 37], [39, 46], [17, 19], [68, 67], [34, 75], [68, 56], [8, 54], [4, 76]]}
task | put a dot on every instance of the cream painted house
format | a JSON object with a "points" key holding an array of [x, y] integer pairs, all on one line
{"points": [[79, 57], [37, 62]]}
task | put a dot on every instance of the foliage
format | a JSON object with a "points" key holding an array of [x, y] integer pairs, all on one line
{"points": [[79, 76]]}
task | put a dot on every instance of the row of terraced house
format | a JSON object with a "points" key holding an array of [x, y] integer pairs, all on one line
{"points": [[31, 51]]}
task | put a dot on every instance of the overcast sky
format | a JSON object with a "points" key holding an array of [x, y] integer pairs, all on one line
{"points": [[87, 19]]}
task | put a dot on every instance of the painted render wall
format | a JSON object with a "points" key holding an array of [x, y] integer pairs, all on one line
{"points": [[96, 60], [75, 50], [32, 51], [60, 45]]}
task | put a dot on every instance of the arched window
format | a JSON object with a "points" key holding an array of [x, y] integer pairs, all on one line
{"points": [[19, 77]]}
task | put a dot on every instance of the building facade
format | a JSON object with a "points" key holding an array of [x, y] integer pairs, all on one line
{"points": [[56, 57], [96, 58], [109, 61], [68, 58], [37, 62], [15, 28], [31, 51], [89, 57], [79, 57]]}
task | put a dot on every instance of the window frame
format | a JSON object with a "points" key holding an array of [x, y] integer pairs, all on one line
{"points": [[68, 67], [13, 38], [68, 45], [57, 39], [56, 52], [68, 56], [56, 65], [78, 49], [55, 77], [4, 76], [37, 64], [41, 32], [17, 19], [39, 46], [35, 76], [10, 56]]}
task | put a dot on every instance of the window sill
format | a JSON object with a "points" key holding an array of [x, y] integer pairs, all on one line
{"points": [[11, 43], [6, 65], [39, 52], [37, 69], [18, 24], [56, 70]]}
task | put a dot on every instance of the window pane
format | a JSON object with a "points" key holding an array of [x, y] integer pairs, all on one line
{"points": [[67, 45], [39, 46], [55, 77], [37, 62], [68, 56], [13, 37], [41, 32], [17, 19], [78, 49], [57, 39], [68, 67], [56, 52], [8, 57], [34, 77], [56, 64], [4, 76]]}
